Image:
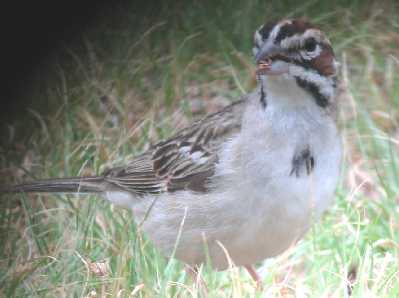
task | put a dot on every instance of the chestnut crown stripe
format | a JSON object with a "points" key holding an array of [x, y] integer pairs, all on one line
{"points": [[287, 30], [292, 28]]}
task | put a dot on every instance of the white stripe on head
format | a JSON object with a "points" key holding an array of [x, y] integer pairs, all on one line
{"points": [[294, 41], [276, 29], [297, 40], [258, 38], [258, 41]]}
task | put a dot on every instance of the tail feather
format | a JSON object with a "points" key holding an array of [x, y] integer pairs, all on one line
{"points": [[62, 185]]}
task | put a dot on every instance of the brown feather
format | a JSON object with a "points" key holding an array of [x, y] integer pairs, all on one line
{"points": [[186, 161]]}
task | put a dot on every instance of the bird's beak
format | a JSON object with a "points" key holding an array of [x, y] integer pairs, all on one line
{"points": [[266, 65], [268, 50]]}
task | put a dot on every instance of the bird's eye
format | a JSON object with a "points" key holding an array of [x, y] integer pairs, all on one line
{"points": [[310, 44]]}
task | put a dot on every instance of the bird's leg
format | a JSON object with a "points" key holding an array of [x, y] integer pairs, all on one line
{"points": [[255, 276]]}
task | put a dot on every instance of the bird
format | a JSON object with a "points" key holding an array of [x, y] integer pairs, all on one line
{"points": [[245, 183]]}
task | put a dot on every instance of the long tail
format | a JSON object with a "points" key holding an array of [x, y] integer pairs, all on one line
{"points": [[65, 185]]}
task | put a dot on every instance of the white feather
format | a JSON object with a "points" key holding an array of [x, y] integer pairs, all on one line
{"points": [[256, 209]]}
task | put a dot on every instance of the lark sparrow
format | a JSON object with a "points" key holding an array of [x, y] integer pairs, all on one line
{"points": [[248, 180]]}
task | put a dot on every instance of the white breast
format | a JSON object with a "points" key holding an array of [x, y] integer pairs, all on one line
{"points": [[280, 207], [257, 209]]}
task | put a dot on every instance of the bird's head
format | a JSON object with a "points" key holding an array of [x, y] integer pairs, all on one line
{"points": [[296, 49]]}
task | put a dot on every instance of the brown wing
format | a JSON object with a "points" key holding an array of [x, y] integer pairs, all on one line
{"points": [[186, 161]]}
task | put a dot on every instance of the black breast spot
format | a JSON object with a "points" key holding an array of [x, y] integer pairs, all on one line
{"points": [[302, 162]]}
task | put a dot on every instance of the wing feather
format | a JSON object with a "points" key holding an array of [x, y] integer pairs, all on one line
{"points": [[185, 161]]}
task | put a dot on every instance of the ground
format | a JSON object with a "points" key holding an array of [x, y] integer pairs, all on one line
{"points": [[137, 76]]}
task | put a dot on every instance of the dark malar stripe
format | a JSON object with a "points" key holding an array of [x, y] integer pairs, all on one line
{"points": [[262, 97], [313, 89]]}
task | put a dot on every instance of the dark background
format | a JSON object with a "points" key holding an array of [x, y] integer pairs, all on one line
{"points": [[30, 33]]}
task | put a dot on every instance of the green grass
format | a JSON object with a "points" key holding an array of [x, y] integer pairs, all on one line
{"points": [[156, 69]]}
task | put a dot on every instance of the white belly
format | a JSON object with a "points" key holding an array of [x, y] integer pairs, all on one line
{"points": [[290, 204], [252, 220], [281, 206]]}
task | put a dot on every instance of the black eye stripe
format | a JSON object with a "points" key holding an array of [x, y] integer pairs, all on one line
{"points": [[306, 64], [266, 29]]}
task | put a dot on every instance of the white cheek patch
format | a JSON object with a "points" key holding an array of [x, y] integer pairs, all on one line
{"points": [[325, 84], [278, 68]]}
